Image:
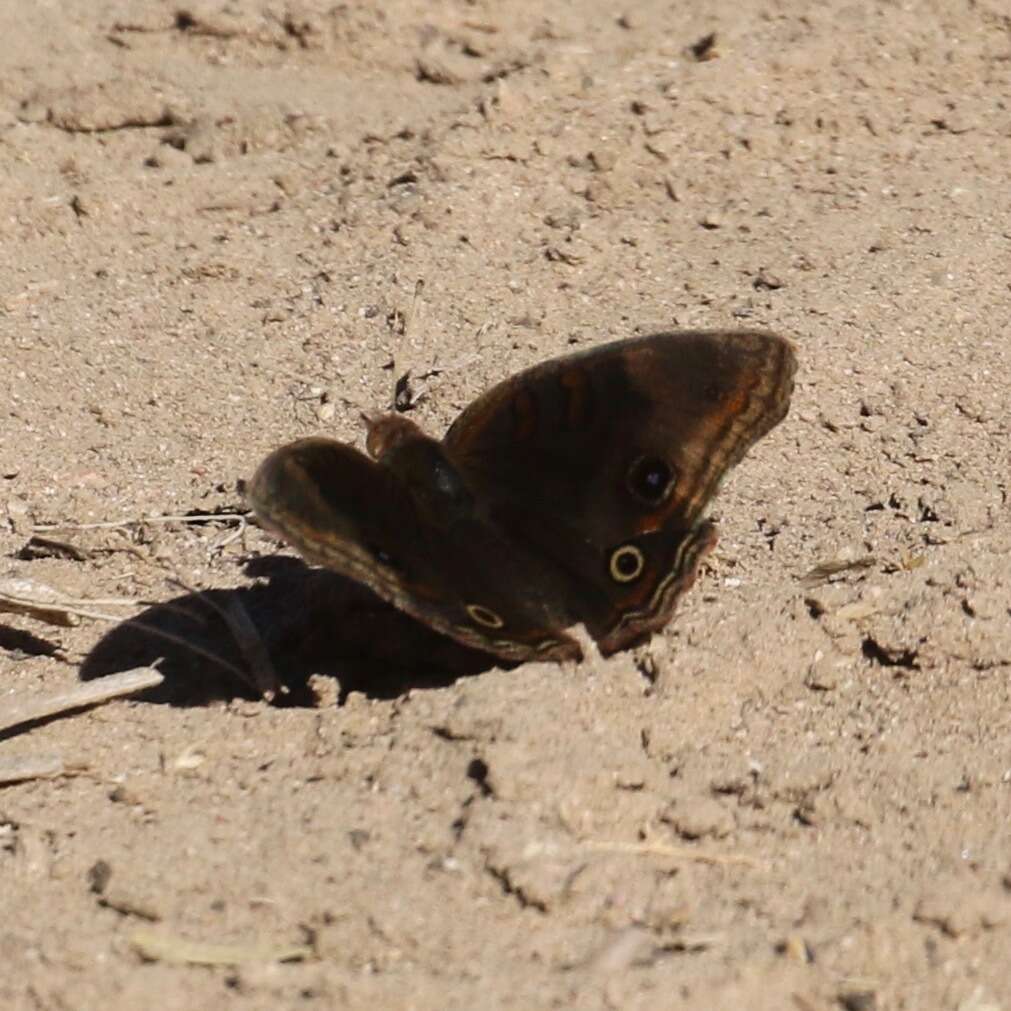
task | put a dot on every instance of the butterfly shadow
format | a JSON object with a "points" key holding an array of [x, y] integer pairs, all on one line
{"points": [[296, 622]]}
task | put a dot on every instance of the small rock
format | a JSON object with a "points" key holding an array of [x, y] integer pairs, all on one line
{"points": [[957, 914], [326, 689], [630, 947], [98, 876], [979, 1000], [434, 71], [18, 515], [857, 610], [858, 1000], [765, 280], [603, 158], [826, 671], [698, 818], [795, 948]]}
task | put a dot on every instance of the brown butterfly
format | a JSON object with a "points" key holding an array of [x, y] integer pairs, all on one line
{"points": [[573, 492]]}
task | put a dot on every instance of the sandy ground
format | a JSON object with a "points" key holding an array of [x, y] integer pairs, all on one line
{"points": [[214, 216]]}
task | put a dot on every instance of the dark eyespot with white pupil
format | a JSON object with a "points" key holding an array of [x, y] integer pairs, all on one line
{"points": [[484, 616], [627, 563], [650, 479], [381, 556]]}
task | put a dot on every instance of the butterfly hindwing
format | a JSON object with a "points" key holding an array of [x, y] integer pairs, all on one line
{"points": [[400, 527]]}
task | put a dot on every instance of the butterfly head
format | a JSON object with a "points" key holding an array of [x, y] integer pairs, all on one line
{"points": [[385, 432]]}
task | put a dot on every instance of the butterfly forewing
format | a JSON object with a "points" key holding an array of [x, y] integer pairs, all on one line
{"points": [[604, 455]]}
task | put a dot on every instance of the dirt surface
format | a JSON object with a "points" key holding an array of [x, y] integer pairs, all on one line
{"points": [[213, 220]]}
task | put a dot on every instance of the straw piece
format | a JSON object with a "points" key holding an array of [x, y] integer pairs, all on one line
{"points": [[156, 946]]}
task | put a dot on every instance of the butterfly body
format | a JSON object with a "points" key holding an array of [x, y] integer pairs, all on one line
{"points": [[572, 492]]}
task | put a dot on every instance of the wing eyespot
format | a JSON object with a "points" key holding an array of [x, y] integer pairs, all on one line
{"points": [[381, 556], [650, 479], [627, 563], [485, 616]]}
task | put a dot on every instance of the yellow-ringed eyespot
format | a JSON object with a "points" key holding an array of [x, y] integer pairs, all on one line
{"points": [[650, 479], [484, 616], [380, 555], [627, 563]]}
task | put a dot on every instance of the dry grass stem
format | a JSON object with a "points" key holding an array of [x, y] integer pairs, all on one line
{"points": [[687, 853]]}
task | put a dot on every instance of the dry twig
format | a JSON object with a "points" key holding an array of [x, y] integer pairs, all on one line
{"points": [[19, 768], [195, 518], [90, 693], [44, 603]]}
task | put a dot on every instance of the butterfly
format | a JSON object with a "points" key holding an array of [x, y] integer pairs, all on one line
{"points": [[573, 492]]}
